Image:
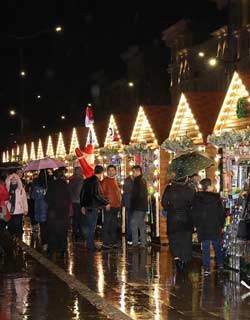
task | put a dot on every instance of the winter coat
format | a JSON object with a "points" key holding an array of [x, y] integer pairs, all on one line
{"points": [[75, 187], [4, 195], [41, 206], [111, 191], [58, 200], [139, 197], [21, 204], [177, 200], [127, 191], [91, 194], [208, 215]]}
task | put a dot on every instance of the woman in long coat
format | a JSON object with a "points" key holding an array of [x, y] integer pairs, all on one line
{"points": [[58, 199], [177, 201]]}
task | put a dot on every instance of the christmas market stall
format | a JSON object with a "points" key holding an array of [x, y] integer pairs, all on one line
{"points": [[231, 137], [144, 149], [193, 121]]}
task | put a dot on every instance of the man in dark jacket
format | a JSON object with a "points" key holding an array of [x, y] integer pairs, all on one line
{"points": [[92, 200], [58, 199], [126, 202], [75, 187], [139, 207], [209, 218], [177, 201]]}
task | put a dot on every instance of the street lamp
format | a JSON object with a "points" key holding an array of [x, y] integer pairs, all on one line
{"points": [[22, 73], [131, 84], [58, 29], [63, 117], [38, 96], [43, 126], [212, 62], [201, 54], [12, 113]]}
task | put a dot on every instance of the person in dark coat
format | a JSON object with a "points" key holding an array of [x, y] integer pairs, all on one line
{"points": [[209, 219], [75, 187], [126, 202], [38, 193], [58, 199], [139, 207], [92, 200], [177, 201]]}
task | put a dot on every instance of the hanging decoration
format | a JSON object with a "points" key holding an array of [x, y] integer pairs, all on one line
{"points": [[140, 148], [229, 139], [109, 151], [241, 108], [181, 144]]}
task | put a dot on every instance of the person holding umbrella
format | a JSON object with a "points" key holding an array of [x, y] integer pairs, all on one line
{"points": [[177, 200]]}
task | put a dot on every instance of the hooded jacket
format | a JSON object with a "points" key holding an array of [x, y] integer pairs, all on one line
{"points": [[208, 215], [177, 200], [21, 204]]}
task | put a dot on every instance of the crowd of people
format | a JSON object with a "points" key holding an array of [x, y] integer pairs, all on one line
{"points": [[52, 201]]}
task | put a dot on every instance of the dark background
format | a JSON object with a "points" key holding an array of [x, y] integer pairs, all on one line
{"points": [[60, 66]]}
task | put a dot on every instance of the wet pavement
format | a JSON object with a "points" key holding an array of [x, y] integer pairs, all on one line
{"points": [[142, 284], [28, 291]]}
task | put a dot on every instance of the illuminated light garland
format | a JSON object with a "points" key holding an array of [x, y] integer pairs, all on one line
{"points": [[50, 150], [60, 150], [142, 131], [92, 136], [228, 112], [4, 157], [25, 153], [40, 154], [17, 151], [113, 136], [32, 151], [184, 122], [74, 142], [12, 155]]}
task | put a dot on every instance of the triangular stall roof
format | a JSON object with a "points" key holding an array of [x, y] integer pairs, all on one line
{"points": [[152, 124], [227, 119], [113, 137], [205, 107]]}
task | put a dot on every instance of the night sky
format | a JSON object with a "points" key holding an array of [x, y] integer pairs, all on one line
{"points": [[59, 66]]}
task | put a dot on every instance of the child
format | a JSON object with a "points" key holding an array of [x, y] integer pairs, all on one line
{"points": [[209, 218]]}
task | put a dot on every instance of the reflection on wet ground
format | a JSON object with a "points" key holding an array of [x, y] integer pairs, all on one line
{"points": [[28, 291], [144, 284]]}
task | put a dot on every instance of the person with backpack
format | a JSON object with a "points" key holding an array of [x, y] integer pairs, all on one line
{"points": [[209, 218]]}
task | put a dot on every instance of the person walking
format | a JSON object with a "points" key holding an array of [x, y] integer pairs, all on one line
{"points": [[92, 200], [58, 199], [177, 200], [112, 192], [75, 187], [38, 193], [139, 207], [126, 202], [5, 243], [17, 205], [209, 219]]}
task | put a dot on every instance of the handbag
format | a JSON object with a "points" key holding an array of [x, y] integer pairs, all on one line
{"points": [[4, 213], [243, 231]]}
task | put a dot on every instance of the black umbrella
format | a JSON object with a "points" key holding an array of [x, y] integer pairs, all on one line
{"points": [[188, 164]]}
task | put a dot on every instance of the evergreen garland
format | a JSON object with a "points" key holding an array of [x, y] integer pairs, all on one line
{"points": [[241, 108]]}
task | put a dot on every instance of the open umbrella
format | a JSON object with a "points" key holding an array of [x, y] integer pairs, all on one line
{"points": [[47, 163], [188, 164]]}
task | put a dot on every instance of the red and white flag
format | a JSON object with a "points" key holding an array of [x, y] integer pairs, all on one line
{"points": [[89, 117]]}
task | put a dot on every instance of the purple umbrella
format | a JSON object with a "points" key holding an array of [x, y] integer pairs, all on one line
{"points": [[47, 163]]}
